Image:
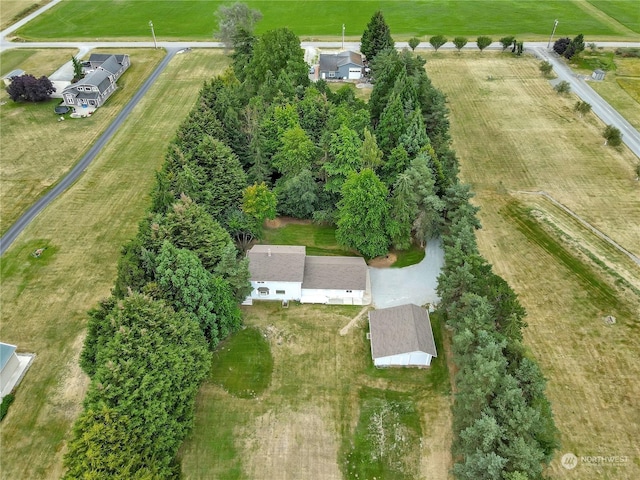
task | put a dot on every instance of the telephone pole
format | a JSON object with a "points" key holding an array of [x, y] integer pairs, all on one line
{"points": [[555, 24], [155, 44]]}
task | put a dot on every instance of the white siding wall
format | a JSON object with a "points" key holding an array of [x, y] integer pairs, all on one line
{"points": [[292, 290], [313, 295], [421, 359], [8, 370]]}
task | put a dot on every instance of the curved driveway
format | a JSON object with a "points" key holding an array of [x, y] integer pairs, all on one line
{"points": [[415, 284]]}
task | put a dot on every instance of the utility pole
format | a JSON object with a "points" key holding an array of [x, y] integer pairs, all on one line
{"points": [[343, 36], [555, 24], [155, 44]]}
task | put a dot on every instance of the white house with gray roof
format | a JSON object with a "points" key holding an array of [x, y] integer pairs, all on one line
{"points": [[283, 272], [98, 85], [401, 336]]}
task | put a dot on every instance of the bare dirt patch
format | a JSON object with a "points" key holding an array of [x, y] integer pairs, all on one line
{"points": [[279, 222], [384, 261], [292, 445]]}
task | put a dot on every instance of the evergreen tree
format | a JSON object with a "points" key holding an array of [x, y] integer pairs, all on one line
{"points": [[376, 37]]}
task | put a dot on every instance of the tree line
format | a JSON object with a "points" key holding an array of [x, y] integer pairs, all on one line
{"points": [[262, 140]]}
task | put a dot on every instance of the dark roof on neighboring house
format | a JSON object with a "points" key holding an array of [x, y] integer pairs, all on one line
{"points": [[14, 73], [276, 263], [336, 273], [102, 57], [401, 329], [332, 61], [6, 351], [111, 65]]}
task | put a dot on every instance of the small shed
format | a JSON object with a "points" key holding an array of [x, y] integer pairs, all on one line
{"points": [[9, 364], [598, 74], [10, 76], [401, 336], [343, 65]]}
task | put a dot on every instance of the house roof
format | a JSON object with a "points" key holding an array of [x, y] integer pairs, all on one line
{"points": [[6, 350], [336, 273], [98, 78], [98, 58], [276, 263], [14, 73], [111, 65], [399, 330], [330, 62]]}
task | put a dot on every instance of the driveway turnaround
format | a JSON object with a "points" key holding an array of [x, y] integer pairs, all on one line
{"points": [[415, 284]]}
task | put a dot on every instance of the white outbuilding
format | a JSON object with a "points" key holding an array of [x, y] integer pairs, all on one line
{"points": [[401, 337]]}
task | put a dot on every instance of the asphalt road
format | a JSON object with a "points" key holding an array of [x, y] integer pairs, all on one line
{"points": [[15, 230]]}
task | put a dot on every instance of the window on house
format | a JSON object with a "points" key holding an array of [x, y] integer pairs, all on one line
{"points": [[349, 291], [332, 74], [279, 292]]}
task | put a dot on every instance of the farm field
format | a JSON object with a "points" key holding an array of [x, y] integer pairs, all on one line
{"points": [[45, 300], [309, 416], [38, 149], [514, 134], [14, 10], [195, 20]]}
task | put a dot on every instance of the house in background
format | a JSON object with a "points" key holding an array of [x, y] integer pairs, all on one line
{"points": [[401, 336], [98, 85], [343, 65], [8, 78], [282, 272]]}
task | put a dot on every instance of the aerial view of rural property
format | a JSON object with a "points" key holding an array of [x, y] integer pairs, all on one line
{"points": [[320, 239]]}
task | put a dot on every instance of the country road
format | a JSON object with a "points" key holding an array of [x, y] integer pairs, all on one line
{"points": [[631, 137]]}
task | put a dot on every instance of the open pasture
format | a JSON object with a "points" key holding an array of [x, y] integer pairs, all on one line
{"points": [[514, 134], [195, 20], [45, 300], [14, 10], [313, 420]]}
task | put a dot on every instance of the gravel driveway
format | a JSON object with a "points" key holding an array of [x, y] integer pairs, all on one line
{"points": [[414, 284]]}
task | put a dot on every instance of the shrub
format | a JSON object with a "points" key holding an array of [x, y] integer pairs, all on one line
{"points": [[563, 87], [612, 136], [507, 42], [561, 45], [6, 402], [414, 42], [546, 68]]}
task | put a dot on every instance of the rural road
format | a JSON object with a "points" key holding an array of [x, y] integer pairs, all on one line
{"points": [[631, 137]]}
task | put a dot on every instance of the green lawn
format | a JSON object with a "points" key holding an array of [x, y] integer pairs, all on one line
{"points": [[242, 365], [319, 239], [314, 414], [625, 12], [195, 20]]}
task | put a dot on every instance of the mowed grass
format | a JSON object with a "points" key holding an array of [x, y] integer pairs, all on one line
{"points": [[44, 301], [14, 10], [515, 134], [305, 424], [623, 11], [195, 20], [37, 148]]}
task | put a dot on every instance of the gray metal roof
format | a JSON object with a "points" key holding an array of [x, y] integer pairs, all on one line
{"points": [[102, 57], [337, 273], [401, 329], [276, 263], [14, 73], [111, 65], [6, 351]]}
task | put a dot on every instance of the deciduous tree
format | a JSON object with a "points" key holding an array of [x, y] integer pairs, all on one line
{"points": [[437, 41], [506, 42], [460, 42], [259, 202], [235, 18], [612, 136], [483, 42], [546, 68], [413, 43], [29, 88]]}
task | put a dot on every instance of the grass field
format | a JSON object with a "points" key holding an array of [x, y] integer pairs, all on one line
{"points": [[195, 20], [44, 301], [312, 417], [624, 12], [37, 149], [514, 134], [13, 10]]}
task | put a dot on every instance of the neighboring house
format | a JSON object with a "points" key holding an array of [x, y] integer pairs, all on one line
{"points": [[280, 272], [343, 65], [97, 86], [598, 74], [9, 364], [401, 336], [10, 76]]}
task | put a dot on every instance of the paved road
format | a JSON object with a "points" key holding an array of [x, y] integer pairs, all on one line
{"points": [[415, 284], [11, 234], [630, 136]]}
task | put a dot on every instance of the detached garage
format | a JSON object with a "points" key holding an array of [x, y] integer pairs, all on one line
{"points": [[401, 337]]}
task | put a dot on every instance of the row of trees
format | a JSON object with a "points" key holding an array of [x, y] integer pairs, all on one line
{"points": [[460, 42]]}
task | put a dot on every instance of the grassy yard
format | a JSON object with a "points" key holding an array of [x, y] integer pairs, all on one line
{"points": [[513, 134], [45, 300], [38, 149], [312, 420], [195, 20]]}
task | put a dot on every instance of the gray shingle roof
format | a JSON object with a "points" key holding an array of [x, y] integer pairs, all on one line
{"points": [[330, 62], [111, 65], [276, 263], [337, 273], [401, 329]]}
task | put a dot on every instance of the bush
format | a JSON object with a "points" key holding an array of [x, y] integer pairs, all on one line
{"points": [[483, 42], [546, 68], [437, 41], [561, 45], [460, 42], [6, 402], [612, 136], [563, 87], [507, 42]]}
